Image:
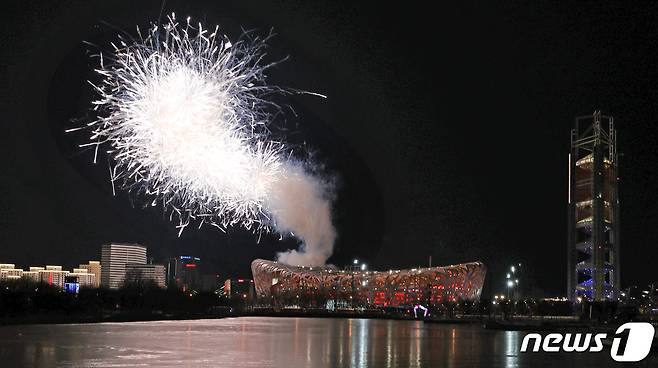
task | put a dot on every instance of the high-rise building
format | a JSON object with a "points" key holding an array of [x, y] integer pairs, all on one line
{"points": [[183, 272], [8, 271], [593, 271], [114, 258], [140, 274], [95, 268], [243, 288], [34, 274], [84, 278], [31, 276], [52, 275]]}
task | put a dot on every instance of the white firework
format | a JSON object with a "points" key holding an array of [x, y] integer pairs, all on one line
{"points": [[183, 113]]}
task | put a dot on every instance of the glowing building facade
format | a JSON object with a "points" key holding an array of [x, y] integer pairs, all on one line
{"points": [[83, 277], [95, 268], [114, 258], [593, 271], [8, 271], [279, 284], [52, 275]]}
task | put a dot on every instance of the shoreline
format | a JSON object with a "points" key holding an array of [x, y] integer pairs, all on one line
{"points": [[486, 322], [118, 318], [150, 317]]}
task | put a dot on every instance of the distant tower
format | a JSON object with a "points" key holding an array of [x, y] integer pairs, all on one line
{"points": [[183, 273], [593, 239]]}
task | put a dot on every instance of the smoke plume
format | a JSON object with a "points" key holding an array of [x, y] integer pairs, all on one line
{"points": [[300, 204]]}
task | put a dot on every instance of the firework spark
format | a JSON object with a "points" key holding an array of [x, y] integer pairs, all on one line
{"points": [[184, 114]]}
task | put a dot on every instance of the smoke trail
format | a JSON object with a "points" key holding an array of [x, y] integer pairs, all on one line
{"points": [[300, 205]]}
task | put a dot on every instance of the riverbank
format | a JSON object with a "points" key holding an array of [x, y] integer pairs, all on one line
{"points": [[493, 322], [155, 316], [520, 323], [116, 317]]}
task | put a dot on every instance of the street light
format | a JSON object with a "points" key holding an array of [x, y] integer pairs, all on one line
{"points": [[356, 261], [363, 267], [512, 283]]}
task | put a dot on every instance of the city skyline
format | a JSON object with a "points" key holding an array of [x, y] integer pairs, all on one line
{"points": [[275, 183], [182, 272]]}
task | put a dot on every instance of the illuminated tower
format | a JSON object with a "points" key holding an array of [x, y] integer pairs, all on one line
{"points": [[593, 239]]}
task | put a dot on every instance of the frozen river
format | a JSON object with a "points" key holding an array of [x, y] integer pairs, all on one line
{"points": [[277, 342]]}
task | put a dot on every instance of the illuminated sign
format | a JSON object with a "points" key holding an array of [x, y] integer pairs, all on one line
{"points": [[189, 258], [72, 287]]}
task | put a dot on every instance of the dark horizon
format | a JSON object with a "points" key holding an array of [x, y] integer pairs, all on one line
{"points": [[447, 131]]}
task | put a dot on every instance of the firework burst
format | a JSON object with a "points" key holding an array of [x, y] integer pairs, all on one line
{"points": [[182, 113]]}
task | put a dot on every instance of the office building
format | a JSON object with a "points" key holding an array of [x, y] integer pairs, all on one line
{"points": [[145, 274], [52, 275], [95, 268], [84, 278], [114, 258], [8, 271], [242, 288], [31, 276], [184, 273]]}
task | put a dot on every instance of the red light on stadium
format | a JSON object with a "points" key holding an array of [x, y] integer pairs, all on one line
{"points": [[405, 288]]}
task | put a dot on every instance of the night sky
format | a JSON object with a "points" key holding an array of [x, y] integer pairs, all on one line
{"points": [[447, 130]]}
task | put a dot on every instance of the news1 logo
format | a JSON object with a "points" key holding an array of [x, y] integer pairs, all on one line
{"points": [[631, 343]]}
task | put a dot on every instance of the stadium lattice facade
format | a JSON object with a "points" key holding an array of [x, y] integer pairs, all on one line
{"points": [[280, 284]]}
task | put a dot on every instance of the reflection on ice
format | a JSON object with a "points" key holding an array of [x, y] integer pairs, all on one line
{"points": [[275, 342]]}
